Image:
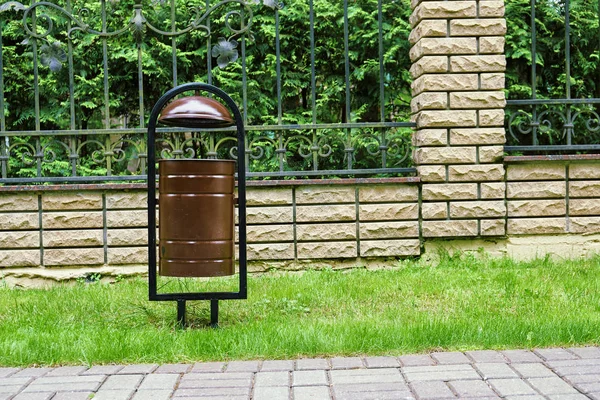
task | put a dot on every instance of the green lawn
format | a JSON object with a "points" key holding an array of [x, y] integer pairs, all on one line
{"points": [[459, 303]]}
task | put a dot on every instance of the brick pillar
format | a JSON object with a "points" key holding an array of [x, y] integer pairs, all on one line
{"points": [[458, 105]]}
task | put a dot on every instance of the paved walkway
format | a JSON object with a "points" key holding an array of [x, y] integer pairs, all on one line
{"points": [[555, 374]]}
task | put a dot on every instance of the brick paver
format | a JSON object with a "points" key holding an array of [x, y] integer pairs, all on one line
{"points": [[544, 374]]}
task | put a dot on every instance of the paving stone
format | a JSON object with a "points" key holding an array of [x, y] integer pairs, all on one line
{"points": [[34, 396], [271, 393], [309, 378], [67, 371], [486, 356], [10, 390], [521, 356], [555, 354], [13, 381], [223, 392], [553, 385], [103, 370], [511, 387], [242, 366], [311, 393], [65, 384], [346, 363], [173, 369], [32, 372], [441, 373], [275, 378], [477, 389], [381, 362], [153, 394], [578, 370], [416, 360], [393, 395], [277, 365], [432, 390], [7, 396], [575, 379], [380, 376], [585, 352], [217, 380], [495, 370], [371, 387], [533, 370], [568, 397], [73, 396], [160, 381], [138, 369], [573, 363], [453, 357], [588, 387], [113, 394], [532, 397], [208, 367], [315, 363], [6, 372], [122, 382]]}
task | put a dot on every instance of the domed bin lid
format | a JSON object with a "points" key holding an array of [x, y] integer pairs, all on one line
{"points": [[196, 112]]}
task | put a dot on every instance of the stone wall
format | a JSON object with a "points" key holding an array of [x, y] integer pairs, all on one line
{"points": [[65, 232]]}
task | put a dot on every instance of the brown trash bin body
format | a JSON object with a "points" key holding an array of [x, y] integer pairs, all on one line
{"points": [[196, 214]]}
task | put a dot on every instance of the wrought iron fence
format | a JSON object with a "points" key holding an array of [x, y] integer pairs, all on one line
{"points": [[558, 110], [320, 86]]}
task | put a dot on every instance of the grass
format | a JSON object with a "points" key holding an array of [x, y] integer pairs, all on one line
{"points": [[459, 303]]}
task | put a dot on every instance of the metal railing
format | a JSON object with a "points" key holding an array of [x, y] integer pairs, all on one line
{"points": [[553, 120], [77, 109]]}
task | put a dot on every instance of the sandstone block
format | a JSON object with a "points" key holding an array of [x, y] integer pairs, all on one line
{"points": [[320, 250], [478, 209], [387, 193], [73, 257], [478, 27], [271, 251], [72, 201], [330, 213], [477, 136], [390, 248], [491, 45], [387, 212], [491, 9], [19, 258], [449, 228], [584, 189], [72, 220], [325, 232], [388, 230], [127, 255], [126, 200], [462, 100], [324, 194], [128, 237], [536, 208], [270, 233], [429, 101], [490, 154], [19, 221], [269, 215], [19, 239], [432, 173], [450, 119], [535, 172], [446, 155], [127, 219], [476, 173], [434, 210], [481, 63], [584, 171], [493, 190], [429, 65], [268, 197], [443, 9], [536, 226], [79, 238], [442, 46], [491, 117], [444, 82], [584, 207], [492, 227], [492, 81], [535, 190], [430, 137], [585, 225], [428, 28], [18, 202], [449, 191]]}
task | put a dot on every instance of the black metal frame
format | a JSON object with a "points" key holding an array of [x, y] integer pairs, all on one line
{"points": [[214, 297]]}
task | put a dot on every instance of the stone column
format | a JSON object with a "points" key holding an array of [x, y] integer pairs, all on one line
{"points": [[458, 106]]}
